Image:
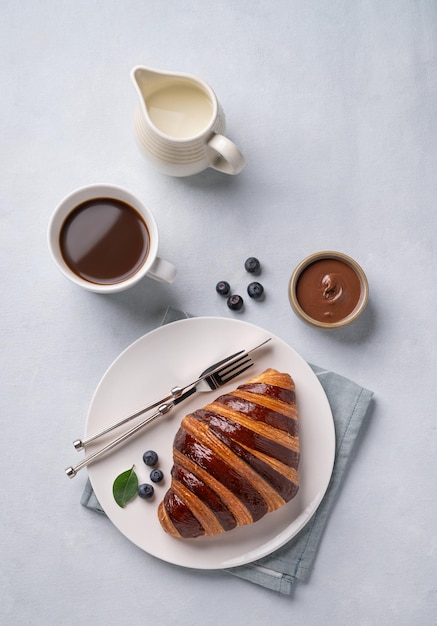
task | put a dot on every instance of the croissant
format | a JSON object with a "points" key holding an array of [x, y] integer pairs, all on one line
{"points": [[234, 460]]}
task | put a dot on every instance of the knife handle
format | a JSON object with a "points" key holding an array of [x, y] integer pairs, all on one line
{"points": [[80, 444], [72, 471]]}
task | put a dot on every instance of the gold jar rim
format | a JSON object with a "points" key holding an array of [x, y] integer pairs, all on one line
{"points": [[339, 256]]}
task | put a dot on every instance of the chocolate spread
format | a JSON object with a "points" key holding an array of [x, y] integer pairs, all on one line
{"points": [[328, 290]]}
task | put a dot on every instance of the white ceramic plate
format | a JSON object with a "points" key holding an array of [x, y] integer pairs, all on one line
{"points": [[175, 354]]}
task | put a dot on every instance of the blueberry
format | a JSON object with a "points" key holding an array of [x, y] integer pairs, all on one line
{"points": [[156, 476], [255, 290], [235, 302], [252, 265], [145, 491], [223, 288], [150, 458]]}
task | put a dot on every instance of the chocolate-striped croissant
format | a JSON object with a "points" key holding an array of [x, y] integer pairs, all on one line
{"points": [[235, 459]]}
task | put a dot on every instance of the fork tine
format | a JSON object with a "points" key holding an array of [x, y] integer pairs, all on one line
{"points": [[233, 375], [227, 371], [232, 356], [235, 362]]}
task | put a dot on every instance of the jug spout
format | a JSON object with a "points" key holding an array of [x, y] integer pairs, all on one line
{"points": [[147, 80]]}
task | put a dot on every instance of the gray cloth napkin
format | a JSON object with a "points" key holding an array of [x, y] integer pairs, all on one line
{"points": [[293, 562]]}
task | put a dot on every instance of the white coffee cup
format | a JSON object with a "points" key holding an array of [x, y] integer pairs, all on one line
{"points": [[180, 125], [94, 235]]}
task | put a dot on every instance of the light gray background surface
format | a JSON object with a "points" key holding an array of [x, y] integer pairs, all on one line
{"points": [[334, 107]]}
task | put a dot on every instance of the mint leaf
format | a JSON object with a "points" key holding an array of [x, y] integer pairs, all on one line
{"points": [[125, 487]]}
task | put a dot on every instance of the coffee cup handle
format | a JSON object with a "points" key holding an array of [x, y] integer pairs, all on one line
{"points": [[162, 270], [225, 156]]}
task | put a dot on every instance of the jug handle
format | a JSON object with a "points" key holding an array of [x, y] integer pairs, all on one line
{"points": [[225, 156]]}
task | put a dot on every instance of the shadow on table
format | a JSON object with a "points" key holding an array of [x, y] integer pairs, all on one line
{"points": [[145, 302], [212, 179], [357, 332]]}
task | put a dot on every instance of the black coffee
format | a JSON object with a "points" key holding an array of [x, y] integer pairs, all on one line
{"points": [[104, 241]]}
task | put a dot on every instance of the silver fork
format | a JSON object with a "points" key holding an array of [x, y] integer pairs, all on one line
{"points": [[209, 379], [212, 378]]}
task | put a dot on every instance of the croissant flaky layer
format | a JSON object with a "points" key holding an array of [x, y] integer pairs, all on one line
{"points": [[235, 459]]}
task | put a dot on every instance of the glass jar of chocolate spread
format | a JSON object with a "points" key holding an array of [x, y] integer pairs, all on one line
{"points": [[328, 289]]}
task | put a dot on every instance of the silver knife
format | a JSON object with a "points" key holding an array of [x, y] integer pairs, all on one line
{"points": [[181, 393]]}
